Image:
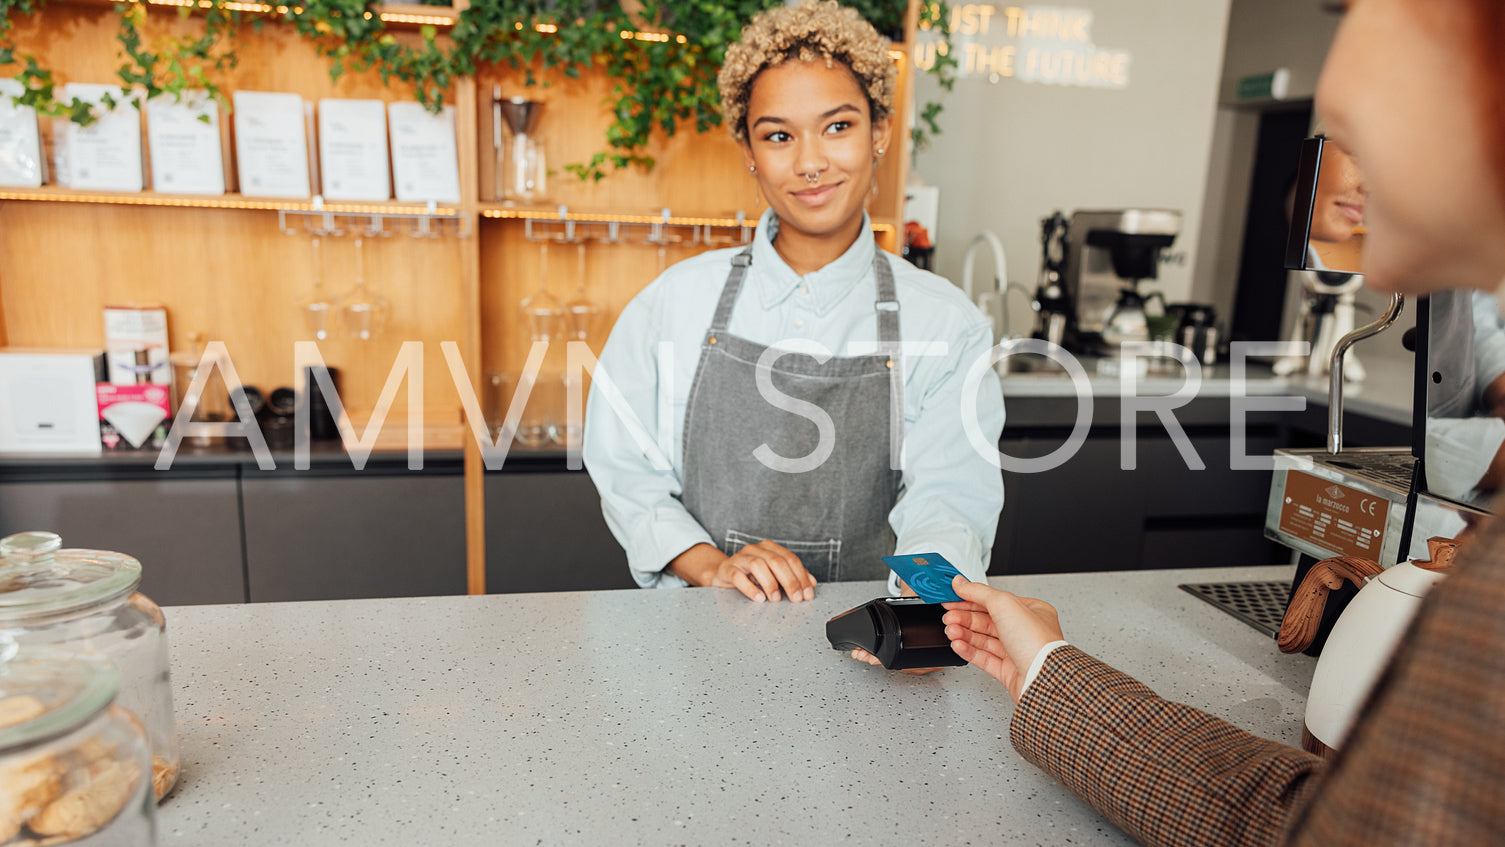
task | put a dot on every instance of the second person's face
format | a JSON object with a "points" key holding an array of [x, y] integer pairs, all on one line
{"points": [[1395, 92], [806, 119]]}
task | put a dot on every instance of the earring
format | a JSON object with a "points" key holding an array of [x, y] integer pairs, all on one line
{"points": [[880, 152], [752, 169]]}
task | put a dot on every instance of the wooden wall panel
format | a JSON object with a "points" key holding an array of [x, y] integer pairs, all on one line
{"points": [[231, 275]]}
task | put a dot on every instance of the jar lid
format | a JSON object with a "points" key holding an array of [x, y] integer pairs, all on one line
{"points": [[38, 577], [48, 691]]}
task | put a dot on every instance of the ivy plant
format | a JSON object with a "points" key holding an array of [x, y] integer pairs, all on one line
{"points": [[661, 83]]}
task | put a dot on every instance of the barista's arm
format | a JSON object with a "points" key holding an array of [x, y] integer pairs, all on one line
{"points": [[639, 483], [951, 494]]}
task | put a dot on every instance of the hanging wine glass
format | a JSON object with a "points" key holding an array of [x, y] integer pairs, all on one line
{"points": [[365, 312], [579, 314], [320, 307], [543, 314]]}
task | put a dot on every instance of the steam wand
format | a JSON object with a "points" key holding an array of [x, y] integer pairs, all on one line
{"points": [[1335, 386]]}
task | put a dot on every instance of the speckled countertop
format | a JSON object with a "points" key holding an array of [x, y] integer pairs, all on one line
{"points": [[655, 717]]}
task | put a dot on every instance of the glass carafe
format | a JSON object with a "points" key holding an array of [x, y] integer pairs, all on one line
{"points": [[524, 171], [87, 600]]}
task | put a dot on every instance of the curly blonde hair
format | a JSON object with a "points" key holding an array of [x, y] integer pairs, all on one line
{"points": [[815, 29]]}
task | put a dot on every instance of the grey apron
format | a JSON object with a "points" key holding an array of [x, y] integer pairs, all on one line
{"points": [[835, 517]]}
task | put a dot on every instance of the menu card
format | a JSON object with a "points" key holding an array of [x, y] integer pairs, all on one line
{"points": [[424, 162], [20, 144], [353, 150], [271, 147], [185, 144], [106, 154]]}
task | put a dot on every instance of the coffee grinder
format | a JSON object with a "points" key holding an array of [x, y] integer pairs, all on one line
{"points": [[1109, 254], [1051, 303]]}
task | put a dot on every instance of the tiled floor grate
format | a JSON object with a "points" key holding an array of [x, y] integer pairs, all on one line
{"points": [[1261, 605]]}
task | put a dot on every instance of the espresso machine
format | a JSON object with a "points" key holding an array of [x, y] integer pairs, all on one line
{"points": [[1108, 254]]}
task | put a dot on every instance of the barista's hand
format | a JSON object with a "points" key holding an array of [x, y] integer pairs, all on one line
{"points": [[864, 656], [1000, 632], [762, 571]]}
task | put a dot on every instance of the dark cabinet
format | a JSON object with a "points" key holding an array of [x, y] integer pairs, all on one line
{"points": [[545, 532], [343, 535], [1090, 514], [184, 527]]}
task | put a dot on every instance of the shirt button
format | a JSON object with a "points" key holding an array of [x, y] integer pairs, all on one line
{"points": [[804, 289], [799, 323]]}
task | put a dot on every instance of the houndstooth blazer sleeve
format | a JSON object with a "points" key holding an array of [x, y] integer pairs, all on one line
{"points": [[1163, 772], [1424, 764]]}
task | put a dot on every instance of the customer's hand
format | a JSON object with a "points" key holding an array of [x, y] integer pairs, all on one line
{"points": [[864, 656], [762, 571], [999, 632]]}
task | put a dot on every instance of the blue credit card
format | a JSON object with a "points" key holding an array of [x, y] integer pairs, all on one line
{"points": [[929, 574]]}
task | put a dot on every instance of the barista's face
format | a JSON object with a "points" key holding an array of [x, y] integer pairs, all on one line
{"points": [[804, 118], [1395, 94], [1338, 207]]}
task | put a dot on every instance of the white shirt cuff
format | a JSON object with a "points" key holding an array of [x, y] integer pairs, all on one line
{"points": [[1038, 663], [667, 533]]}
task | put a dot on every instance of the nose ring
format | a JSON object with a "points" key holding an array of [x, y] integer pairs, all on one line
{"points": [[812, 178]]}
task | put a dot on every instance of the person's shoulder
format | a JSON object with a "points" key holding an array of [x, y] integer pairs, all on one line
{"points": [[938, 300], [686, 281]]}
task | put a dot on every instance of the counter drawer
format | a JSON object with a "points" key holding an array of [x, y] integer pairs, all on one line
{"points": [[185, 530], [354, 535], [545, 532]]}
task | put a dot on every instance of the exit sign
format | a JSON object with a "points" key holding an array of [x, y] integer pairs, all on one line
{"points": [[1274, 85]]}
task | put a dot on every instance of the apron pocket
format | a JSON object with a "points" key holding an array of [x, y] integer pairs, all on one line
{"points": [[821, 558]]}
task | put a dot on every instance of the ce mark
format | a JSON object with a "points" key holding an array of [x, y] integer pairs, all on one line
{"points": [[1370, 507]]}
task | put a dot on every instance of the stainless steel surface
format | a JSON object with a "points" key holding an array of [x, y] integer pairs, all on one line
{"points": [[1335, 380], [656, 717], [1092, 286]]}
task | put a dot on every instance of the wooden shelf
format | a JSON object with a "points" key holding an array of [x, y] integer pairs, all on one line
{"points": [[497, 211], [395, 15], [54, 194]]}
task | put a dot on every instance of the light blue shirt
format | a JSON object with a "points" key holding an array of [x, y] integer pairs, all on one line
{"points": [[950, 495]]}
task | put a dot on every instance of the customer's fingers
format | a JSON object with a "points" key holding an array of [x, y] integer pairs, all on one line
{"points": [[977, 621], [977, 640]]}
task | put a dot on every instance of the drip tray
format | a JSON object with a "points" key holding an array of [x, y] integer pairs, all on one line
{"points": [[1261, 605]]}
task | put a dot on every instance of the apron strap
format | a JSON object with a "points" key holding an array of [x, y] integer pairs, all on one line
{"points": [[723, 316], [888, 342]]}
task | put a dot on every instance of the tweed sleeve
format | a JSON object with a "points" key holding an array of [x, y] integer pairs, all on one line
{"points": [[1163, 772]]}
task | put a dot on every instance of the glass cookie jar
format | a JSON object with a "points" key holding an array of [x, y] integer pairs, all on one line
{"points": [[74, 767], [87, 600]]}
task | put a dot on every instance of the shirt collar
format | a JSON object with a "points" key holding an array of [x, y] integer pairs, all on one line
{"points": [[776, 281]]}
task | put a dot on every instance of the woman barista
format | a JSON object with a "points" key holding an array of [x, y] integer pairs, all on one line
{"points": [[785, 473]]}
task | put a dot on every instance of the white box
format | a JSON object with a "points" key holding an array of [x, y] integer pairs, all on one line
{"points": [[425, 165], [20, 141], [47, 400], [106, 154], [271, 144], [353, 150], [136, 345], [184, 139]]}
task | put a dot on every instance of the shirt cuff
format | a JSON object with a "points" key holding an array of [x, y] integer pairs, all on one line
{"points": [[1038, 663], [667, 533]]}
